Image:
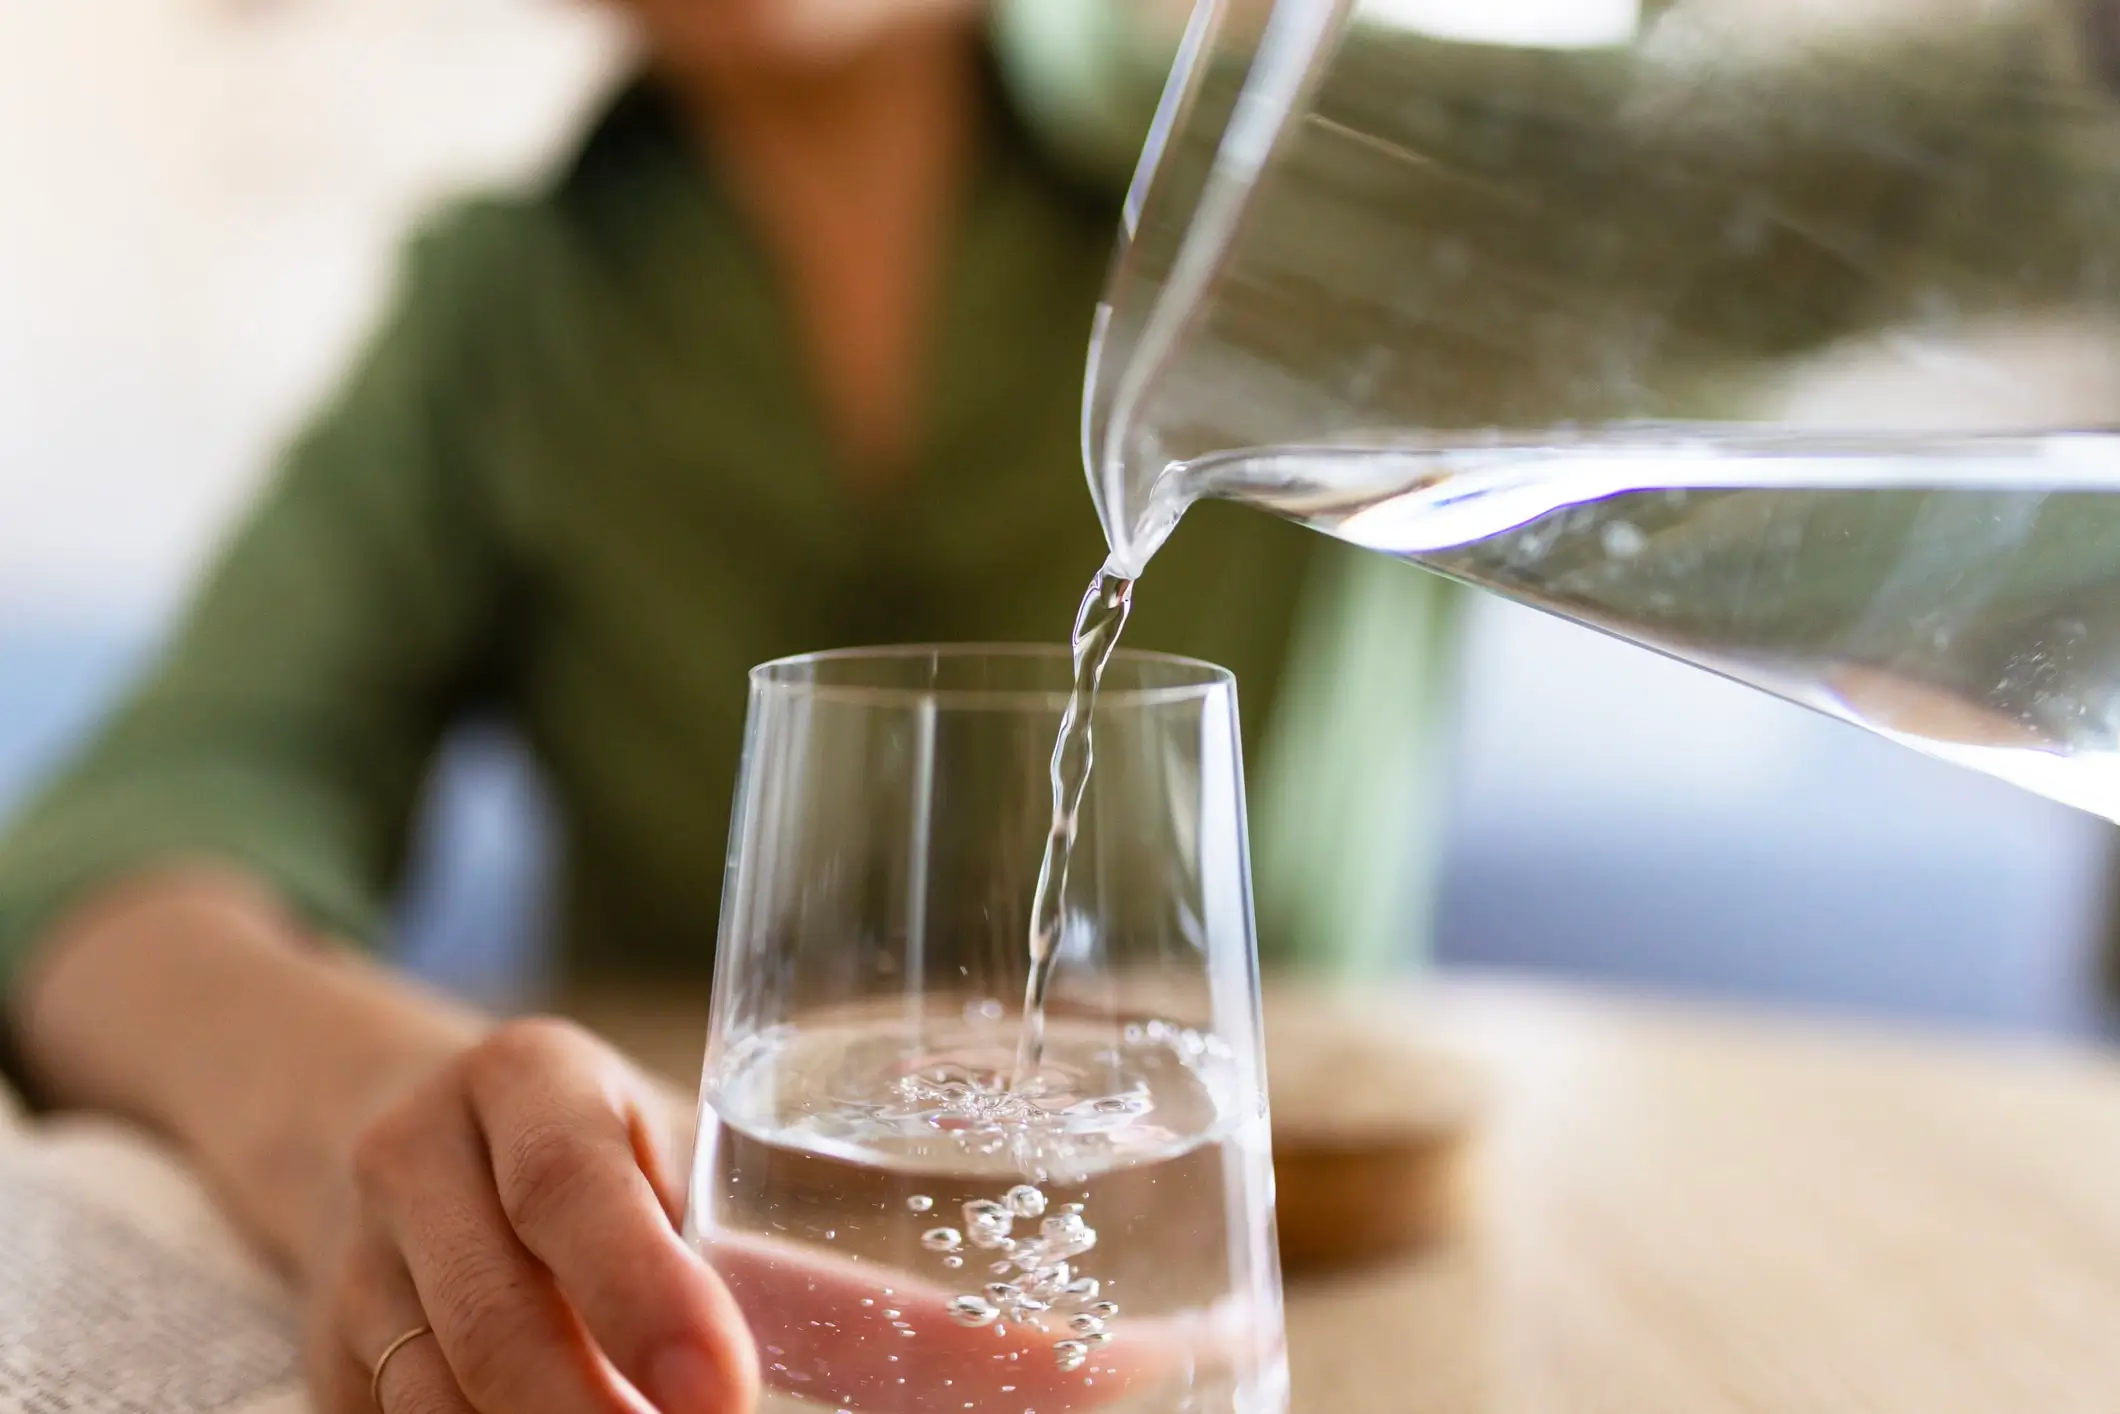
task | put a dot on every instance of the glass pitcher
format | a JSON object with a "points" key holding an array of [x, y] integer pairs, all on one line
{"points": [[1776, 336]]}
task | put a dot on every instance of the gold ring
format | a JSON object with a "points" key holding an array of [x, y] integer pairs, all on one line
{"points": [[382, 1362]]}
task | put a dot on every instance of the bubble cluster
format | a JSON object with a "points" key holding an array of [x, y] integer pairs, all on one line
{"points": [[1063, 1122], [957, 1097], [1074, 1117], [1036, 1282]]}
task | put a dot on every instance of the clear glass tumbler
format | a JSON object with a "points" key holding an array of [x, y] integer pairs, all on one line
{"points": [[906, 1223]]}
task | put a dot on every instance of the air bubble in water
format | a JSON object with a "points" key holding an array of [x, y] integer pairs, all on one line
{"points": [[920, 1202], [1084, 1288], [1084, 1325], [1067, 1235], [941, 1239], [1104, 1310], [1001, 1293], [1070, 1207], [1024, 1201], [1072, 1355], [1050, 1283], [987, 1222], [972, 1311], [953, 1261]]}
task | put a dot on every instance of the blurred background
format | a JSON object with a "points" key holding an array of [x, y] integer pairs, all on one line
{"points": [[199, 200]]}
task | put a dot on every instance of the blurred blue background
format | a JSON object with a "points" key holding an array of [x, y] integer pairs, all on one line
{"points": [[197, 207]]}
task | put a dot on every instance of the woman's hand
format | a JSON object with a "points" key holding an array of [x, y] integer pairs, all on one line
{"points": [[518, 1201]]}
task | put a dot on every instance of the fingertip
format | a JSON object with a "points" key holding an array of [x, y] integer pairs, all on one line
{"points": [[700, 1377], [732, 1336], [699, 1356]]}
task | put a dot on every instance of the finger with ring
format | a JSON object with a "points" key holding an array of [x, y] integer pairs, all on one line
{"points": [[382, 1362]]}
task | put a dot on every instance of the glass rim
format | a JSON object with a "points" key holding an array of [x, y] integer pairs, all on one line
{"points": [[1204, 678]]}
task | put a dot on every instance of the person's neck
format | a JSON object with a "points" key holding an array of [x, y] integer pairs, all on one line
{"points": [[850, 173]]}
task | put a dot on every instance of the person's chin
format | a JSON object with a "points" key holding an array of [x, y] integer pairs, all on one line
{"points": [[739, 35]]}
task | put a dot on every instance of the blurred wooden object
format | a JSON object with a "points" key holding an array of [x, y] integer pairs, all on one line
{"points": [[1691, 1211], [1373, 1131]]}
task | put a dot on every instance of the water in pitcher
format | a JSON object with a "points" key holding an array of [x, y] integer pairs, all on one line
{"points": [[1961, 596], [1032, 1246]]}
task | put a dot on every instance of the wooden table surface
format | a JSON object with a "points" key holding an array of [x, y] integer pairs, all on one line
{"points": [[1691, 1211]]}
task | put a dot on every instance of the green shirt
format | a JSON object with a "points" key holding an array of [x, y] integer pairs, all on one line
{"points": [[579, 477]]}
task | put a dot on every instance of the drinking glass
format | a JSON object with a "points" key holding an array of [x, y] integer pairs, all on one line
{"points": [[907, 1222]]}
